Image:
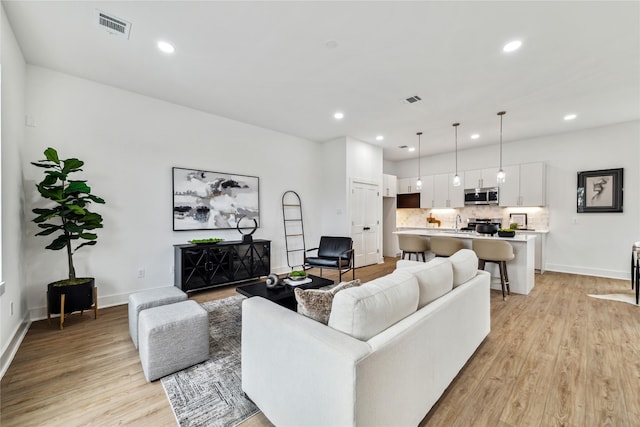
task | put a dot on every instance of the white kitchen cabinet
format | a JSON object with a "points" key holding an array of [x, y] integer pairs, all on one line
{"points": [[445, 195], [541, 243], [524, 185], [407, 185], [426, 194], [481, 178], [389, 185]]}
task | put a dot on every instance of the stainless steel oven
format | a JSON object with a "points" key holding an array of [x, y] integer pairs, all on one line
{"points": [[481, 196]]}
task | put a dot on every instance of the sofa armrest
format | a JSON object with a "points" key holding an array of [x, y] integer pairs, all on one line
{"points": [[298, 371]]}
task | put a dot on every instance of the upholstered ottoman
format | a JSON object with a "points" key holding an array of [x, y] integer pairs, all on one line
{"points": [[172, 337], [147, 299]]}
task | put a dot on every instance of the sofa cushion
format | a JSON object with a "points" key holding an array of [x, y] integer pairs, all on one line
{"points": [[465, 266], [316, 303], [435, 278], [366, 310]]}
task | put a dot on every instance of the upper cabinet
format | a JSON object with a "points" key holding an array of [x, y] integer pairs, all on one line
{"points": [[389, 185], [407, 185], [524, 185], [480, 178], [445, 195], [426, 193]]}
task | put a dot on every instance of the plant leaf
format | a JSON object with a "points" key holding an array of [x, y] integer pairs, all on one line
{"points": [[88, 236], [76, 209], [52, 155], [47, 231], [96, 199], [90, 243], [43, 165], [75, 187], [59, 243], [72, 165]]}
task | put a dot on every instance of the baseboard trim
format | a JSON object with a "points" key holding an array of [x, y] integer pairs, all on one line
{"points": [[12, 348], [584, 271]]}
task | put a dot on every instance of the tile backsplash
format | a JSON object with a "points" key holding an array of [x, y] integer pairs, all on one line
{"points": [[537, 218]]}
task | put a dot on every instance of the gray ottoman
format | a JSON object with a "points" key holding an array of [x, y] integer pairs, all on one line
{"points": [[172, 337], [147, 299]]}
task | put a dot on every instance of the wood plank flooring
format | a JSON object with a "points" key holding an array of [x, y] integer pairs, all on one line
{"points": [[554, 357]]}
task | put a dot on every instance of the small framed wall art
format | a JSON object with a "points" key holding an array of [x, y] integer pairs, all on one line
{"points": [[600, 191], [204, 200], [520, 219]]}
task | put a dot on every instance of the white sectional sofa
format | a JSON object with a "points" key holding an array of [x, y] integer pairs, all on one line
{"points": [[389, 351]]}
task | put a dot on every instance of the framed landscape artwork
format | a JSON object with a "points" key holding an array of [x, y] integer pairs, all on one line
{"points": [[600, 191], [204, 200]]}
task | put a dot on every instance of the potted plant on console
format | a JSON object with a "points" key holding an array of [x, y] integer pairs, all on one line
{"points": [[70, 219]]}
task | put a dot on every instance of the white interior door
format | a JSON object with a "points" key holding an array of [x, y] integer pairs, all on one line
{"points": [[365, 223]]}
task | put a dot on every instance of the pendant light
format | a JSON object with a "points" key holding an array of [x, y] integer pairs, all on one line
{"points": [[419, 182], [501, 176], [456, 178]]}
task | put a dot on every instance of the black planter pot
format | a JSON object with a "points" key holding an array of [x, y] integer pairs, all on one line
{"points": [[79, 295]]}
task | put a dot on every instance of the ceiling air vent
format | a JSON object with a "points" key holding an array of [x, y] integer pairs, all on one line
{"points": [[114, 25], [412, 99]]}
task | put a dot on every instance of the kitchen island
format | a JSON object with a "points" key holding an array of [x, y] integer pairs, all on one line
{"points": [[521, 269]]}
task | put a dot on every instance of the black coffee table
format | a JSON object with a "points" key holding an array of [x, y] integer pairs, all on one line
{"points": [[282, 295]]}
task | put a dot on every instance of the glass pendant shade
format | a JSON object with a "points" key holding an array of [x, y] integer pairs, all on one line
{"points": [[501, 176], [456, 178]]}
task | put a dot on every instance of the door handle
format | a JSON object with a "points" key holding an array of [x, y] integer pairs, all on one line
{"points": [[366, 228]]}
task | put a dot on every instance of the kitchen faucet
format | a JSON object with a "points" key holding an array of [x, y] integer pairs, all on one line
{"points": [[458, 221]]}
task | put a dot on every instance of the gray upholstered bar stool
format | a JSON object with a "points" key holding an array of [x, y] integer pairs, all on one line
{"points": [[445, 246], [497, 251], [417, 245]]}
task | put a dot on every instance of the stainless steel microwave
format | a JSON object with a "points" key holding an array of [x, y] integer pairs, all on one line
{"points": [[481, 196]]}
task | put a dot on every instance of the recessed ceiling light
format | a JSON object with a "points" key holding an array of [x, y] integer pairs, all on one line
{"points": [[379, 138], [475, 136], [339, 115], [570, 116], [166, 47], [412, 149], [511, 46]]}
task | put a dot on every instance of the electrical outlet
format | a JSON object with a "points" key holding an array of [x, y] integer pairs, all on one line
{"points": [[141, 273]]}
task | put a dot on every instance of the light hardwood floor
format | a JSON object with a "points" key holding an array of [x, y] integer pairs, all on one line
{"points": [[554, 357]]}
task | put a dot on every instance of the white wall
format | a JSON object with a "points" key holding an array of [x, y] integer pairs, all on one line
{"points": [[593, 244], [333, 188], [12, 325], [129, 144]]}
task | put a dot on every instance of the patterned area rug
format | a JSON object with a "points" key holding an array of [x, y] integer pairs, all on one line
{"points": [[629, 298], [210, 393]]}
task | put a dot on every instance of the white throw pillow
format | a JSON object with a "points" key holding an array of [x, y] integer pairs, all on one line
{"points": [[465, 266], [435, 278], [367, 310]]}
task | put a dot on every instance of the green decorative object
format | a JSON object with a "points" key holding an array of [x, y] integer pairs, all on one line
{"points": [[205, 241], [70, 219]]}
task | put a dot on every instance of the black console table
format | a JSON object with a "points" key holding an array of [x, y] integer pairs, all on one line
{"points": [[217, 264]]}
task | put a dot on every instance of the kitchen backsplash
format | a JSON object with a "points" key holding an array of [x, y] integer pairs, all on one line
{"points": [[537, 218]]}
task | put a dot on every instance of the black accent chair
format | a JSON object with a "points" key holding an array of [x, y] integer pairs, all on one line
{"points": [[334, 253]]}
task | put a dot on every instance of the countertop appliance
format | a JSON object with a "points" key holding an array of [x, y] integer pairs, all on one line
{"points": [[490, 224], [481, 196]]}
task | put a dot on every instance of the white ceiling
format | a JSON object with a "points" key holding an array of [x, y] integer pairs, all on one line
{"points": [[268, 64]]}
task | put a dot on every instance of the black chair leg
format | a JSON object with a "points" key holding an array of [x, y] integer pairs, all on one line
{"points": [[637, 281], [502, 278], [633, 269]]}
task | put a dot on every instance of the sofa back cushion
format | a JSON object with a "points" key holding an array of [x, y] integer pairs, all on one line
{"points": [[366, 310], [465, 266], [435, 278]]}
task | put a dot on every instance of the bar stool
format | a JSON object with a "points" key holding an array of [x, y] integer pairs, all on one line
{"points": [[445, 246], [497, 251], [417, 245]]}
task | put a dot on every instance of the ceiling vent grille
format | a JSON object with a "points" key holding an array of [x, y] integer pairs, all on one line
{"points": [[412, 99], [113, 25]]}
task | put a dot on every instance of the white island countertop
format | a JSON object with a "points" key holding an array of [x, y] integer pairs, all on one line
{"points": [[521, 269]]}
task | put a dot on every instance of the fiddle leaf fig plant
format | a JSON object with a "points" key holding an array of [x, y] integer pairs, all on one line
{"points": [[70, 218]]}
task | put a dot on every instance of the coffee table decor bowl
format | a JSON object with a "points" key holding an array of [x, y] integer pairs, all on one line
{"points": [[296, 275]]}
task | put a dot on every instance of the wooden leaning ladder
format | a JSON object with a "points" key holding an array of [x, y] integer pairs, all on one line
{"points": [[293, 229]]}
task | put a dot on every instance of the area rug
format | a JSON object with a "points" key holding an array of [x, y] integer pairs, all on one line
{"points": [[210, 393], [629, 298]]}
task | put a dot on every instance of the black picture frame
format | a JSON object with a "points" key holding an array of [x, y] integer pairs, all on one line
{"points": [[207, 200], [600, 191]]}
